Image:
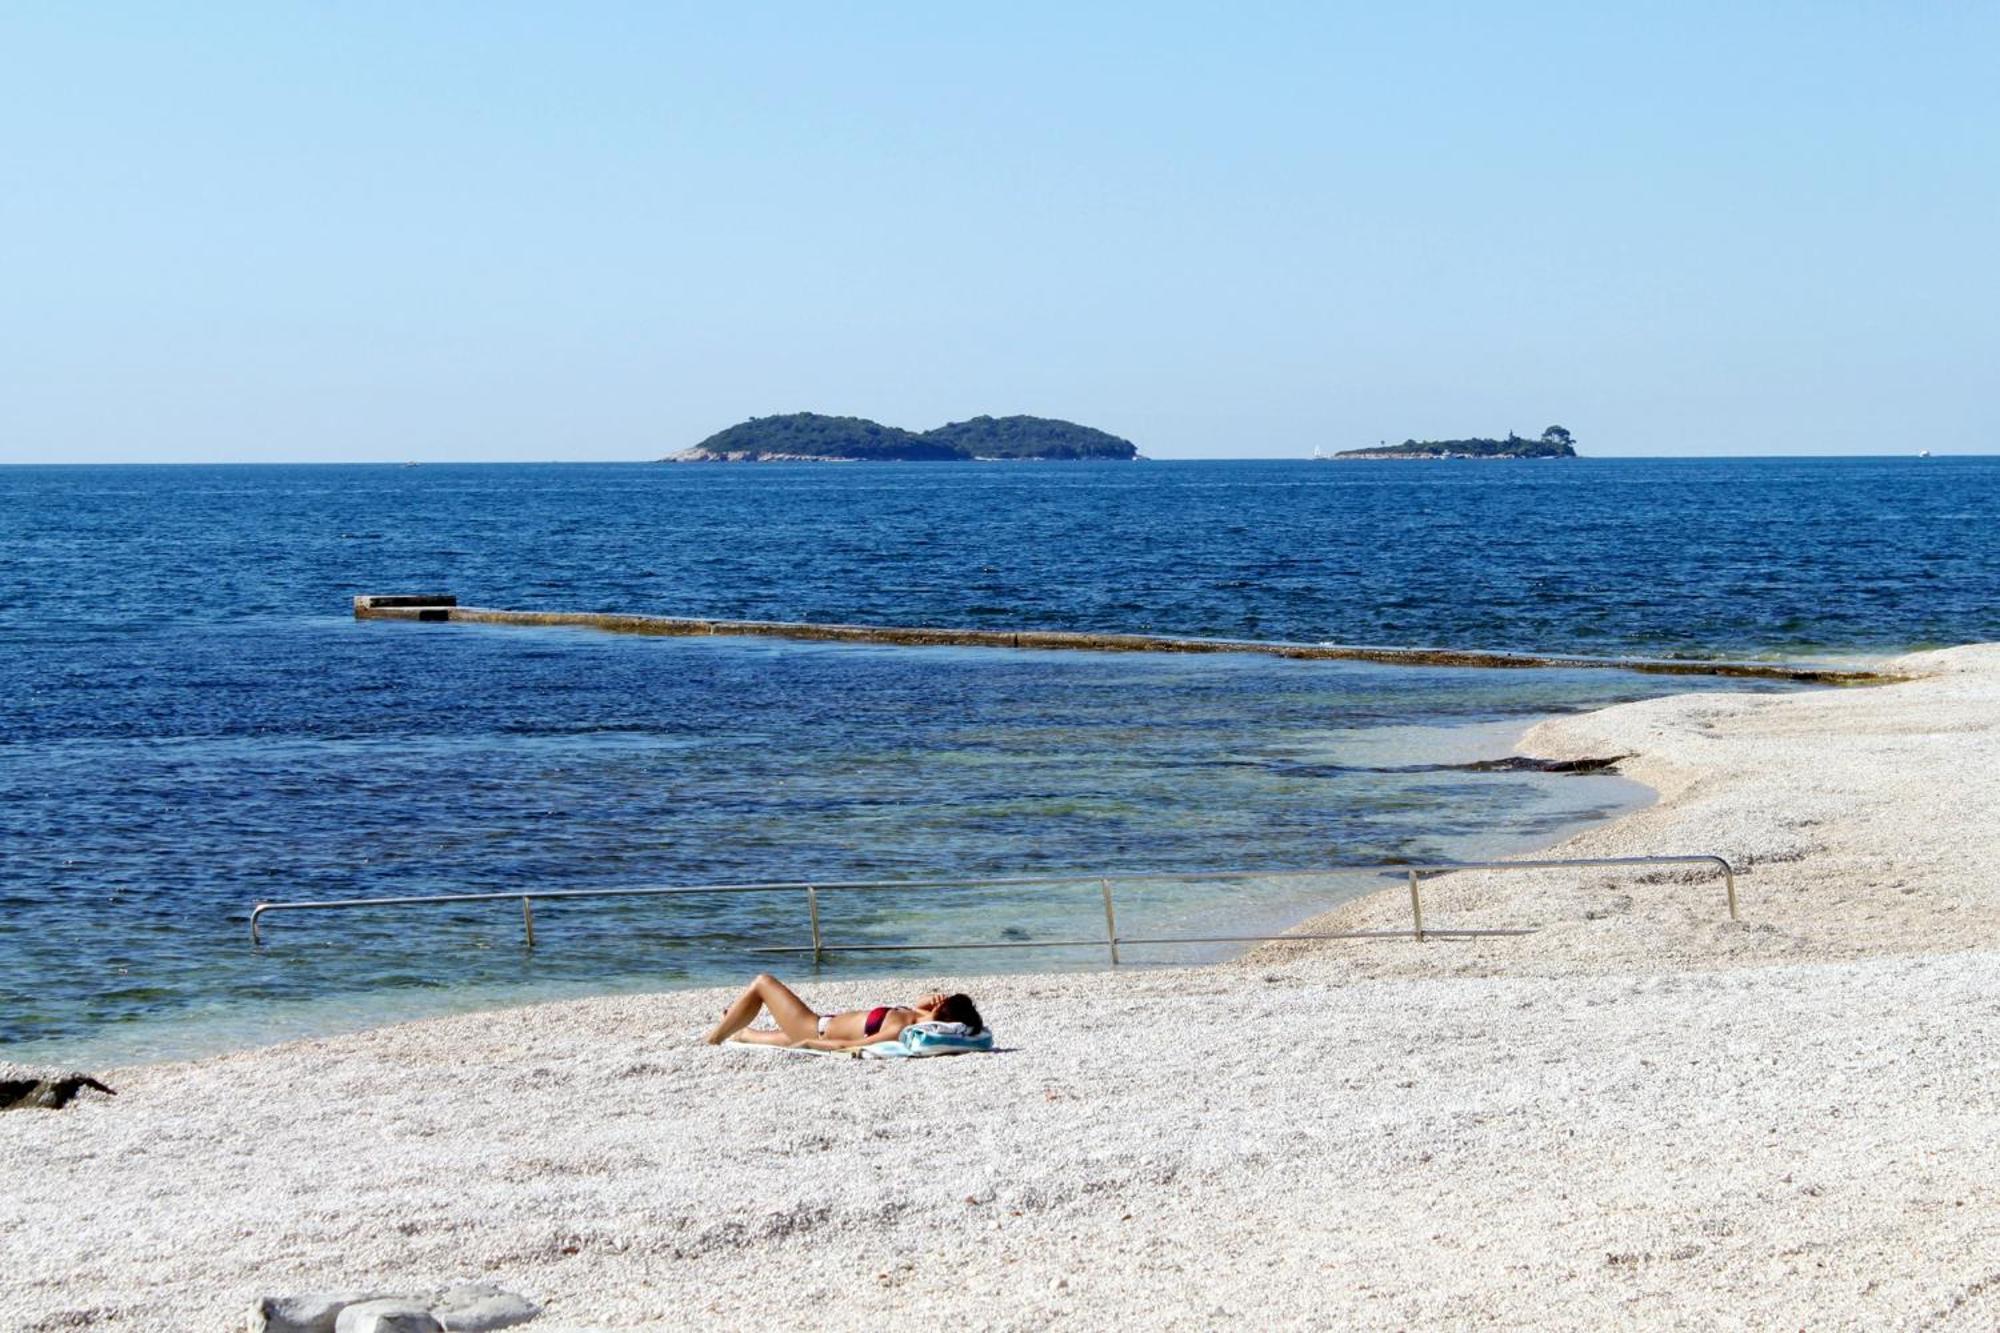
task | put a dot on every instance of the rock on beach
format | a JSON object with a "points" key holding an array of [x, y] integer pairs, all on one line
{"points": [[24, 1088], [464, 1307]]}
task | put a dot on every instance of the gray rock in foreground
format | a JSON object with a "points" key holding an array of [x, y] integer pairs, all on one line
{"points": [[313, 1313], [476, 1307], [463, 1307], [390, 1316]]}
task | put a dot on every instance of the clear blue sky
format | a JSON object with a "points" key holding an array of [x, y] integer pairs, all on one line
{"points": [[268, 232]]}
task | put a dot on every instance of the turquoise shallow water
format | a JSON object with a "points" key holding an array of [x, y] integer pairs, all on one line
{"points": [[190, 722]]}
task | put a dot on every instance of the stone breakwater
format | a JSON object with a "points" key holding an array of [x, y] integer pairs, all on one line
{"points": [[1642, 1115], [444, 609]]}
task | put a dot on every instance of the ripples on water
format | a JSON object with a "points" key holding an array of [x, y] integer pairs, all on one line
{"points": [[189, 721], [1700, 556]]}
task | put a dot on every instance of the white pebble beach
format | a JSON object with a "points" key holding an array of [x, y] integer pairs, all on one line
{"points": [[1644, 1114]]}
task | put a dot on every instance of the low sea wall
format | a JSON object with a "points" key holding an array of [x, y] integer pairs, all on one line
{"points": [[441, 607]]}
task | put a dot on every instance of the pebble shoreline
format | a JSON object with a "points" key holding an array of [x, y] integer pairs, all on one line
{"points": [[1642, 1115]]}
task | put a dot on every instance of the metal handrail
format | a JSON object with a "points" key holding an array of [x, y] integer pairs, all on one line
{"points": [[819, 947]]}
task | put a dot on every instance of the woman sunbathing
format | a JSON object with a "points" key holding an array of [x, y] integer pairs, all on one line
{"points": [[799, 1025]]}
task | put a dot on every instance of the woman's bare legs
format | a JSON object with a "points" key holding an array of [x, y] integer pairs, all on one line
{"points": [[794, 1018]]}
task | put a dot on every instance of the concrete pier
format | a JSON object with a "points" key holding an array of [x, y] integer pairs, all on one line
{"points": [[445, 608]]}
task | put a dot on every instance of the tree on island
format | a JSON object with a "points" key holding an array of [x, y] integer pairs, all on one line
{"points": [[1029, 437], [1556, 442], [812, 435], [815, 435]]}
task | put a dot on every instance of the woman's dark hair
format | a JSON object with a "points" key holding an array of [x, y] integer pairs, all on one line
{"points": [[959, 1009]]}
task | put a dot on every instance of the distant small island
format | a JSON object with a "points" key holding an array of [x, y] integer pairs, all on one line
{"points": [[1555, 443], [816, 438]]}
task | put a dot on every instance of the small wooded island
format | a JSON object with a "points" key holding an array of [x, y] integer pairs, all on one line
{"points": [[812, 437], [1555, 443]]}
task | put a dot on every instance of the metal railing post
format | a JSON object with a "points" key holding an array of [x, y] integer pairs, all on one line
{"points": [[1416, 909], [1729, 883], [528, 918], [812, 911], [1110, 921]]}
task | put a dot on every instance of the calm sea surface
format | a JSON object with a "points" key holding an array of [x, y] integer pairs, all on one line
{"points": [[190, 720]]}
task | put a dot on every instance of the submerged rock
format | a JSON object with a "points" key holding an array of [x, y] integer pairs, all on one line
{"points": [[1511, 764], [1522, 764]]}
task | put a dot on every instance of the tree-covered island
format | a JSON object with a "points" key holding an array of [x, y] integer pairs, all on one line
{"points": [[1555, 443], [813, 437]]}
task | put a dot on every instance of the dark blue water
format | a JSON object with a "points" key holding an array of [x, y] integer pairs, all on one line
{"points": [[190, 721], [1707, 557]]}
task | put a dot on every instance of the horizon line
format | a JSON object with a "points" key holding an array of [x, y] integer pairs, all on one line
{"points": [[1144, 458]]}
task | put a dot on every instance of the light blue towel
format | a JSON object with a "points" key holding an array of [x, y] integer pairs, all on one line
{"points": [[920, 1039]]}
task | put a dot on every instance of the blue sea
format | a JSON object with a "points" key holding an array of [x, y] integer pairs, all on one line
{"points": [[191, 721]]}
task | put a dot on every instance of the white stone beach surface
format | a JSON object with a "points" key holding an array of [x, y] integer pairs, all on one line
{"points": [[1643, 1115]]}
